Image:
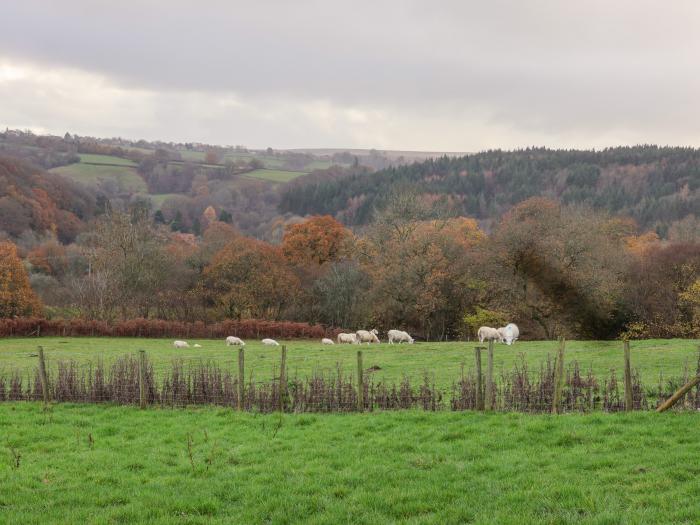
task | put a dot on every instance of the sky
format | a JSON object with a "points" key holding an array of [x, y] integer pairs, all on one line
{"points": [[447, 75]]}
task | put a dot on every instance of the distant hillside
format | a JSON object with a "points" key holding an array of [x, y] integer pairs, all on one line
{"points": [[32, 200], [656, 186]]}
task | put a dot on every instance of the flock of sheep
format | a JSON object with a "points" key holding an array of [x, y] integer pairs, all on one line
{"points": [[507, 334], [371, 336], [361, 336]]}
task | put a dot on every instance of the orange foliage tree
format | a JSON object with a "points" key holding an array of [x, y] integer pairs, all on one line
{"points": [[16, 295], [250, 279], [318, 240]]}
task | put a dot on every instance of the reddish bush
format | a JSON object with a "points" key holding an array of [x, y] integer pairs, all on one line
{"points": [[248, 328]]}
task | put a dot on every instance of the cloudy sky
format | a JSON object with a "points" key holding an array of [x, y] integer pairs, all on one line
{"points": [[413, 75]]}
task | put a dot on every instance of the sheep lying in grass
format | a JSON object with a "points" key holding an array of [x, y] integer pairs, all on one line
{"points": [[270, 342], [326, 341], [181, 344]]}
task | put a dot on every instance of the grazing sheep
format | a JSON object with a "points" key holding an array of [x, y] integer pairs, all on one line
{"points": [[486, 333], [399, 336], [347, 338], [270, 342], [368, 337], [233, 340], [511, 333], [502, 334], [326, 341], [197, 345], [181, 344]]}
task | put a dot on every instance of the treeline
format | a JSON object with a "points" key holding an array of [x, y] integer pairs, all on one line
{"points": [[655, 186], [553, 269]]}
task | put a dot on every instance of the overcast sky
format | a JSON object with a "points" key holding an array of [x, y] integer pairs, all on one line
{"points": [[414, 75]]}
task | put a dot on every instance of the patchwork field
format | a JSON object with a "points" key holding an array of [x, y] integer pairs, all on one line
{"points": [[443, 361], [106, 464]]}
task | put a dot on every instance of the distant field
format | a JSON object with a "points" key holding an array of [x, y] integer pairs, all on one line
{"points": [[318, 165], [274, 175], [159, 198], [126, 178], [107, 464], [105, 159], [442, 361]]}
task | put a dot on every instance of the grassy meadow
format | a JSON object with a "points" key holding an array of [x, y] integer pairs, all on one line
{"points": [[108, 464], [94, 169], [443, 361], [274, 175]]}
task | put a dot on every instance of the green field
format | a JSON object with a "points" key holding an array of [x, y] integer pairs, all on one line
{"points": [[105, 159], [106, 464], [274, 175], [442, 361], [159, 198], [126, 178], [318, 164]]}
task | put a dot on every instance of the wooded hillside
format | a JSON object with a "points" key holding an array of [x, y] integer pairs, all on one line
{"points": [[656, 186]]}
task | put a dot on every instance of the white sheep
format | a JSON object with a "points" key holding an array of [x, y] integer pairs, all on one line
{"points": [[347, 338], [233, 340], [270, 342], [368, 337], [511, 333], [181, 344], [326, 341], [197, 345], [399, 336], [486, 333]]}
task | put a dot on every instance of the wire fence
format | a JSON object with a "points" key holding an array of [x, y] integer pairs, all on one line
{"points": [[132, 380]]}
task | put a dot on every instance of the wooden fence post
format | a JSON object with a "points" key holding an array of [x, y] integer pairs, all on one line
{"points": [[360, 383], [283, 378], [479, 390], [42, 376], [142, 378], [489, 378], [678, 395], [241, 379], [629, 397], [558, 378]]}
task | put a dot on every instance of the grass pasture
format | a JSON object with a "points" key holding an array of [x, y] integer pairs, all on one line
{"points": [[442, 361], [125, 177], [89, 158], [107, 464], [274, 175]]}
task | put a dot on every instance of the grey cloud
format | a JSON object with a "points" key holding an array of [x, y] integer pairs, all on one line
{"points": [[557, 71]]}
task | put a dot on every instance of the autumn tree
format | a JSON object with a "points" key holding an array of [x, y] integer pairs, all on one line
{"points": [[318, 240], [16, 295], [250, 279], [420, 267], [557, 270], [661, 290], [128, 264]]}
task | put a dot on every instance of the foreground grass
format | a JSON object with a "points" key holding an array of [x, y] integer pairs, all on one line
{"points": [[104, 464], [442, 361]]}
